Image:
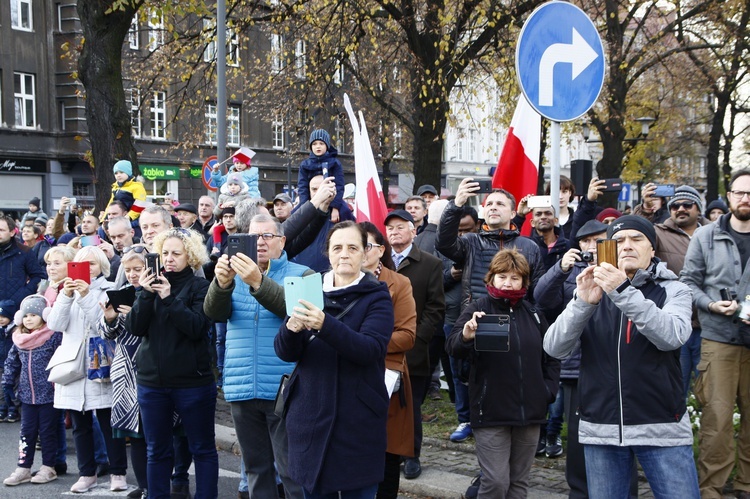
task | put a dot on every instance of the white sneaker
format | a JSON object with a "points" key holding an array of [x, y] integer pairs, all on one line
{"points": [[84, 484], [45, 475], [117, 482], [21, 475]]}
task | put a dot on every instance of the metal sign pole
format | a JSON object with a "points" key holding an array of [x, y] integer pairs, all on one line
{"points": [[554, 175]]}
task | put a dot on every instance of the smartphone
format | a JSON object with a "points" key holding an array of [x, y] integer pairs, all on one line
{"points": [[72, 202], [485, 186], [612, 184], [664, 191], [539, 202], [91, 240], [493, 334], [727, 294], [247, 244], [308, 288], [153, 263], [606, 251], [80, 270]]}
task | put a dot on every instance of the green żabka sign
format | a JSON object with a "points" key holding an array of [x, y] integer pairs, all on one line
{"points": [[157, 172]]}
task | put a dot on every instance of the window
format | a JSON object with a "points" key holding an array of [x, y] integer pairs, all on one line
{"points": [[277, 131], [158, 115], [155, 30], [338, 73], [277, 47], [300, 59], [460, 146], [473, 137], [233, 44], [25, 101], [397, 143], [133, 34], [496, 145], [303, 118], [340, 135], [20, 15], [233, 125], [133, 101]]}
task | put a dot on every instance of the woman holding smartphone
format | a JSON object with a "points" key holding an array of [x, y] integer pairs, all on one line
{"points": [[509, 391], [174, 362], [76, 313]]}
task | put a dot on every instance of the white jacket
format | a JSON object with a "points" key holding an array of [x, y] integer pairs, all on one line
{"points": [[77, 318]]}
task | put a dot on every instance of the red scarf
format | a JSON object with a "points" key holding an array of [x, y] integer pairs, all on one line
{"points": [[512, 295]]}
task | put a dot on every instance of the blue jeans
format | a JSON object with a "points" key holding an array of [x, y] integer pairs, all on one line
{"points": [[363, 493], [462, 390], [182, 459], [556, 409], [690, 355], [670, 471], [196, 407]]}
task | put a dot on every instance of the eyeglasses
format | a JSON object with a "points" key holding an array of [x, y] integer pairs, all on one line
{"points": [[266, 236], [372, 245], [739, 194], [676, 206], [137, 249]]}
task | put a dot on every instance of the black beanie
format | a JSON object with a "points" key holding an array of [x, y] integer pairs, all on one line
{"points": [[35, 202], [636, 223]]}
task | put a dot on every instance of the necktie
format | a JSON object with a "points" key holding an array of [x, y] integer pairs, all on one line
{"points": [[397, 259]]}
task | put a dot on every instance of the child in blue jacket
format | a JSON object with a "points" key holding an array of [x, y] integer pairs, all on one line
{"points": [[322, 161], [240, 164], [33, 346]]}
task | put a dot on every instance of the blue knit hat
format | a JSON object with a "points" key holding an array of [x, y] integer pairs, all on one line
{"points": [[320, 134], [8, 308], [123, 166]]}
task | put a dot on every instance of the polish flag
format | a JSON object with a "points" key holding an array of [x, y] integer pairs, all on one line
{"points": [[369, 200], [518, 167]]}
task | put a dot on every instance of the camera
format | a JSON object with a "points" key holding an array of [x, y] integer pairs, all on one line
{"points": [[727, 294], [587, 256]]}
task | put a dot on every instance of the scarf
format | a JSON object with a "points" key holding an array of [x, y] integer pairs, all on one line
{"points": [[33, 339], [512, 295]]}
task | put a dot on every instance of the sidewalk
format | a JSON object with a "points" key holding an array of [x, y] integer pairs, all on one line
{"points": [[448, 468]]}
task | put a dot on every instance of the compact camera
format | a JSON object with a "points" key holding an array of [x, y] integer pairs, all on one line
{"points": [[587, 256]]}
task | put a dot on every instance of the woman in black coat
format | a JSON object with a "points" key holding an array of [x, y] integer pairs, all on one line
{"points": [[511, 386], [336, 399], [174, 362]]}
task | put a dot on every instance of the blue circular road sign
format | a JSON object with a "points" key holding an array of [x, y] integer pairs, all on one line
{"points": [[560, 61]]}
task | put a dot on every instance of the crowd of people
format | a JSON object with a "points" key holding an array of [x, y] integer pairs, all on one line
{"points": [[140, 316]]}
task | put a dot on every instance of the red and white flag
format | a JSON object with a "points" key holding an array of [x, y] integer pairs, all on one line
{"points": [[369, 200], [518, 167]]}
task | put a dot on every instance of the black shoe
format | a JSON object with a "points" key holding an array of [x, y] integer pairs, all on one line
{"points": [[280, 491], [61, 468], [12, 417], [245, 494], [180, 491], [412, 468], [135, 494], [541, 447], [554, 446], [102, 469]]}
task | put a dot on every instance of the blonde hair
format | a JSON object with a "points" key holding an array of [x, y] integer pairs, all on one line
{"points": [[192, 240], [97, 254], [65, 252]]}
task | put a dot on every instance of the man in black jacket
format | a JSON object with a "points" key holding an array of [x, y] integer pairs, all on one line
{"points": [[474, 252]]}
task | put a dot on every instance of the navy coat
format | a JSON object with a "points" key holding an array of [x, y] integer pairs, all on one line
{"points": [[20, 273], [337, 402]]}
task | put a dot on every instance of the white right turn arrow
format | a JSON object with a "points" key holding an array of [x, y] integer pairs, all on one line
{"points": [[579, 53]]}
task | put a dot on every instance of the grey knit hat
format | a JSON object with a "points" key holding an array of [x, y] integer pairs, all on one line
{"points": [[32, 304], [687, 193]]}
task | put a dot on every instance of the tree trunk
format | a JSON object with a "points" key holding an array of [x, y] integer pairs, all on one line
{"points": [[428, 144], [714, 149], [100, 71]]}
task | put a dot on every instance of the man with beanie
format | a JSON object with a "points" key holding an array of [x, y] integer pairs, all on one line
{"points": [[34, 212], [322, 161], [716, 260], [127, 189], [672, 240], [631, 320]]}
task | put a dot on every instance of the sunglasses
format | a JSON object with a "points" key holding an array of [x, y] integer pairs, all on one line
{"points": [[137, 249], [677, 206]]}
